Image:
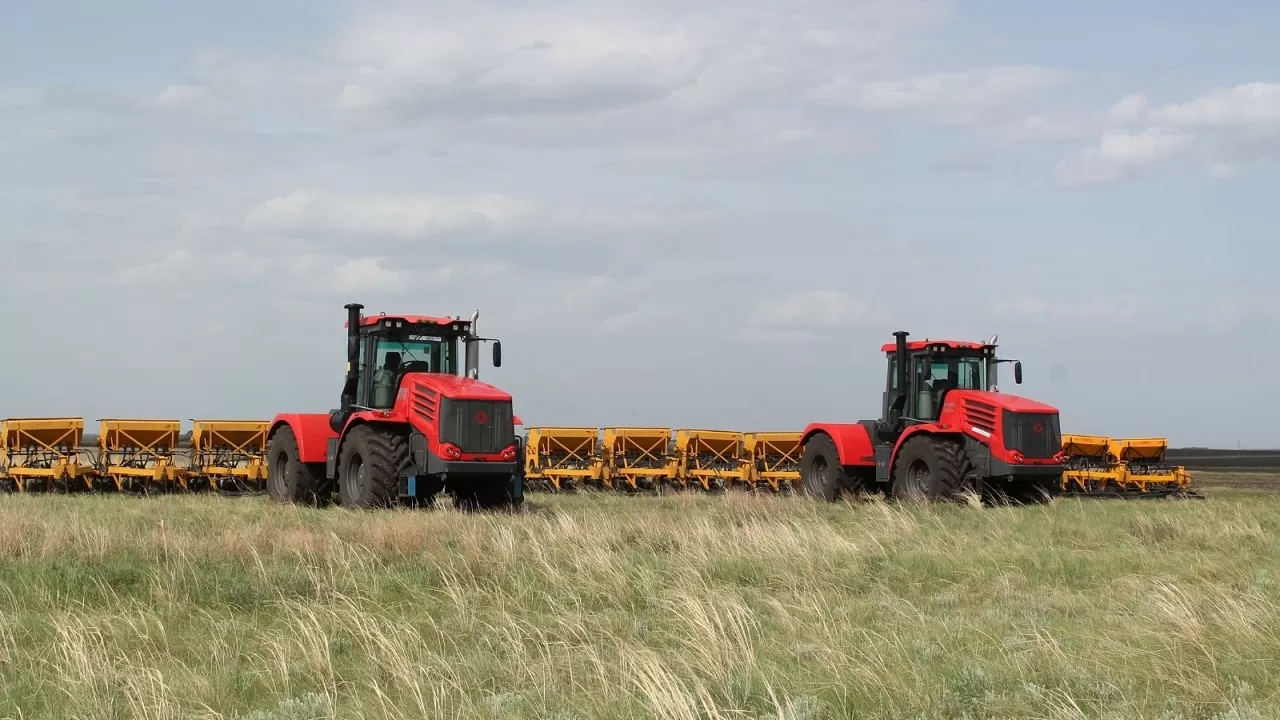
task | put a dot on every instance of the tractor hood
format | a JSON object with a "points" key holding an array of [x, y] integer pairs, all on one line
{"points": [[459, 388], [1014, 403]]}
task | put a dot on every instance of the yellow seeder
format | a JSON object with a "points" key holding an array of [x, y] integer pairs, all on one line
{"points": [[638, 458], [139, 455], [562, 458], [1099, 466], [710, 459], [43, 455], [772, 460], [230, 456]]}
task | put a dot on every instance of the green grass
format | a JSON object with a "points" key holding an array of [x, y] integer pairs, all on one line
{"points": [[617, 607]]}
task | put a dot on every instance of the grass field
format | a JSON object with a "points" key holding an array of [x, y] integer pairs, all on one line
{"points": [[617, 607]]}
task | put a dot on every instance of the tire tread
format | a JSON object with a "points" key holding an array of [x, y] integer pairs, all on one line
{"points": [[386, 457]]}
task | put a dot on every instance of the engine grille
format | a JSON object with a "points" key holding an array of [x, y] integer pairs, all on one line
{"points": [[1035, 435], [477, 426]]}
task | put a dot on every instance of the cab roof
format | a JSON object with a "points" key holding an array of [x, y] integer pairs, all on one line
{"points": [[368, 320], [918, 345]]}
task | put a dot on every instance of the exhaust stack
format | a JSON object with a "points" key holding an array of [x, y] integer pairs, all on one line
{"points": [[353, 355], [472, 362], [900, 400]]}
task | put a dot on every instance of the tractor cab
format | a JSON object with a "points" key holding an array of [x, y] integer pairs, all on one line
{"points": [[389, 347], [928, 369]]}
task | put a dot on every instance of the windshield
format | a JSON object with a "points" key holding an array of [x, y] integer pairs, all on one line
{"points": [[945, 372], [969, 373], [416, 353], [393, 357]]}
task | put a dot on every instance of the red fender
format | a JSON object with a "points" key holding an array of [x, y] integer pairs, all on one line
{"points": [[852, 440], [312, 431], [914, 430]]}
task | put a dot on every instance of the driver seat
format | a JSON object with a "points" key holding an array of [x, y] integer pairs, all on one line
{"points": [[386, 380]]}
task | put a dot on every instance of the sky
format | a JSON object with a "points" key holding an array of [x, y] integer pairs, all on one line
{"points": [[678, 214]]}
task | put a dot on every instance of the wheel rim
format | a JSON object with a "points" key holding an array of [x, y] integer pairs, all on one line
{"points": [[817, 475], [354, 476], [918, 476], [279, 471]]}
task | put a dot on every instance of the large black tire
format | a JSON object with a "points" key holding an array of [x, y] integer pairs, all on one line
{"points": [[821, 474], [370, 465], [933, 469], [289, 480]]}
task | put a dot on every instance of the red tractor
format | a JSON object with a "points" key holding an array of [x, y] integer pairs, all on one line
{"points": [[409, 426], [945, 430]]}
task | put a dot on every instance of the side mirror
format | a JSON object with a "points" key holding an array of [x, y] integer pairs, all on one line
{"points": [[497, 353], [1017, 372]]}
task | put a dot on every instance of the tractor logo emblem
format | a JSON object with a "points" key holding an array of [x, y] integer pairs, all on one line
{"points": [[1038, 428], [481, 418]]}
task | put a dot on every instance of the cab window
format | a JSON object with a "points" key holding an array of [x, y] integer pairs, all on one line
{"points": [[393, 357], [966, 373]]}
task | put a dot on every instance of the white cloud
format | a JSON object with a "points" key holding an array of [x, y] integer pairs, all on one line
{"points": [[21, 97], [1023, 308], [192, 269], [549, 59], [1118, 154], [649, 314], [700, 83], [1227, 129], [1251, 105], [186, 268], [460, 219], [1223, 171], [366, 275], [629, 218], [812, 310], [361, 276], [1038, 128], [183, 97], [1143, 308], [1083, 307], [1128, 110], [398, 216], [950, 96], [661, 170]]}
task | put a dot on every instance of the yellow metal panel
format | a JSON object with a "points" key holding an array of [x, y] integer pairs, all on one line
{"points": [[1143, 465], [43, 453], [1126, 449], [563, 457], [1089, 466], [710, 458], [1086, 445], [230, 455], [1099, 464], [638, 457], [772, 458], [138, 455]]}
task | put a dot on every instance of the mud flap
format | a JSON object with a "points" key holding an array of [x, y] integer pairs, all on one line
{"points": [[517, 477], [331, 459]]}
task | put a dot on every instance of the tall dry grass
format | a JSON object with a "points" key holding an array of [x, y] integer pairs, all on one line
{"points": [[616, 607]]}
